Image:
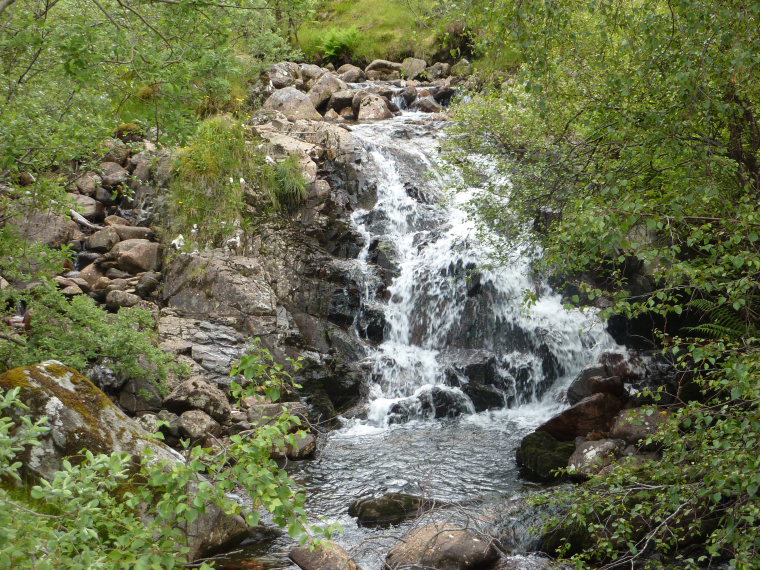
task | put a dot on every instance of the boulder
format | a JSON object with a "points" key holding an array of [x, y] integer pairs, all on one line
{"points": [[351, 74], [197, 394], [381, 68], [331, 115], [373, 107], [89, 207], [484, 397], [80, 416], [148, 283], [636, 425], [412, 67], [265, 413], [443, 547], [114, 175], [618, 364], [541, 454], [461, 68], [198, 426], [437, 71], [103, 240], [284, 74], [88, 183], [310, 74], [45, 228], [293, 104], [115, 151], [590, 414], [341, 99], [305, 447], [591, 457], [140, 395], [324, 88], [328, 556], [134, 232], [116, 299], [138, 255], [390, 509], [579, 388]]}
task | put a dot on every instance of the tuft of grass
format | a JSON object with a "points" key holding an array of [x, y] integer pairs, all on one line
{"points": [[288, 190]]}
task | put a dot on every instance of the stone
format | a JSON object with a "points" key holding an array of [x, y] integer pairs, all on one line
{"points": [[437, 71], [115, 151], [541, 454], [484, 397], [324, 88], [134, 232], [105, 378], [426, 105], [138, 255], [350, 73], [412, 67], [88, 183], [71, 291], [90, 208], [331, 115], [115, 221], [372, 108], [593, 413], [461, 68], [305, 446], [591, 457], [443, 547], [329, 556], [114, 175], [635, 425], [147, 284], [198, 425], [267, 413], [196, 394], [579, 388], [293, 104], [142, 167], [384, 66], [284, 74], [617, 364], [82, 417], [140, 395], [390, 509], [341, 99], [118, 299], [310, 74], [45, 228], [91, 274], [103, 240]]}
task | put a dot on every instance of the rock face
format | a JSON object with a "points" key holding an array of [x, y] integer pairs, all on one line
{"points": [[590, 414], [541, 454], [443, 547], [390, 509], [82, 417], [329, 556]]}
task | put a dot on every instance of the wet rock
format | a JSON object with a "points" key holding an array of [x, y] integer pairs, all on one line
{"points": [[90, 208], [443, 547], [88, 183], [116, 299], [139, 395], [324, 88], [329, 556], [426, 105], [103, 240], [371, 324], [388, 510], [196, 394], [541, 454], [350, 73], [373, 107], [293, 104], [198, 426], [591, 457], [475, 365], [593, 413], [635, 426], [484, 397], [344, 303], [114, 175], [305, 447], [580, 388], [412, 68], [444, 95], [341, 99], [435, 403], [148, 283], [617, 364], [284, 74], [518, 562]]}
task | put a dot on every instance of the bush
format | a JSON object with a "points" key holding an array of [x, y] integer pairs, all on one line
{"points": [[338, 45]]}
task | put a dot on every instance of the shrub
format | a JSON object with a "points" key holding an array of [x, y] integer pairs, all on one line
{"points": [[338, 45]]}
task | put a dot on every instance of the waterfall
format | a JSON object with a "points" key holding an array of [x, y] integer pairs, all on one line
{"points": [[452, 334]]}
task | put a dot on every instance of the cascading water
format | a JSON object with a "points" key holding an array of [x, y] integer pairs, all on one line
{"points": [[460, 369]]}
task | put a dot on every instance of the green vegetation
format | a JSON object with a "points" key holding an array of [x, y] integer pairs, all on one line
{"points": [[371, 29], [218, 174], [631, 129], [109, 512]]}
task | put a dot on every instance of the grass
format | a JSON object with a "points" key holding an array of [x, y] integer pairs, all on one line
{"points": [[388, 29]]}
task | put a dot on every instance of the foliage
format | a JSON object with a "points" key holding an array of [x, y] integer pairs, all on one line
{"points": [[263, 373], [218, 174], [78, 332], [631, 136], [338, 45]]}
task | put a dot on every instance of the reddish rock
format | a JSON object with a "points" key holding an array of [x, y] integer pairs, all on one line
{"points": [[594, 413]]}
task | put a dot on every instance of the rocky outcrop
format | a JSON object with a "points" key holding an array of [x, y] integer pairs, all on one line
{"points": [[443, 547], [81, 417]]}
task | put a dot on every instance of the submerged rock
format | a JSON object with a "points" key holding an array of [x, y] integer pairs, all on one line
{"points": [[390, 509], [328, 556], [443, 547]]}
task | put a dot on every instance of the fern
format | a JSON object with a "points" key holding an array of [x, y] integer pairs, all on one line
{"points": [[725, 321]]}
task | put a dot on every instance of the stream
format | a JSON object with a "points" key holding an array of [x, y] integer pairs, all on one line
{"points": [[460, 369]]}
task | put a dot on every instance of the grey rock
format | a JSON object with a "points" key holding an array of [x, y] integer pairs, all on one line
{"points": [[284, 74], [89, 207], [412, 67], [115, 151], [329, 556], [45, 228], [293, 104], [114, 175], [138, 255], [324, 88], [134, 232], [139, 395], [443, 547], [426, 105], [373, 107], [591, 457], [198, 426], [635, 425], [103, 240], [116, 299], [196, 394], [88, 183]]}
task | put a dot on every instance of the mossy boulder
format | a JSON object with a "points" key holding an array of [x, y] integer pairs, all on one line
{"points": [[390, 509], [541, 455], [81, 417]]}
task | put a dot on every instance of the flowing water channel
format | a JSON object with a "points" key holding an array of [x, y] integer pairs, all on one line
{"points": [[460, 371]]}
